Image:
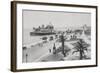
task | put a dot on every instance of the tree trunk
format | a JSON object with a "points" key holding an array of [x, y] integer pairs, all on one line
{"points": [[81, 55], [62, 39]]}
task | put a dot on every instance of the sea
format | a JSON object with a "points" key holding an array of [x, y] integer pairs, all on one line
{"points": [[28, 39]]}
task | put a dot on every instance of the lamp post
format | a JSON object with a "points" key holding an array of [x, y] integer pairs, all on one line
{"points": [[25, 54], [26, 57]]}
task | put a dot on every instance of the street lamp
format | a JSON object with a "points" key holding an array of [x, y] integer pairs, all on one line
{"points": [[26, 57]]}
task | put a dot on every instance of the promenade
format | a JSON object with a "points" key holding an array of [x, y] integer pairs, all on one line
{"points": [[43, 52]]}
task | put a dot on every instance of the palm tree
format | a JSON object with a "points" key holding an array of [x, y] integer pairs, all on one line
{"points": [[62, 40], [81, 47]]}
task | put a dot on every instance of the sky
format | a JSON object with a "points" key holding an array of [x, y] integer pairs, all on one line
{"points": [[32, 18]]}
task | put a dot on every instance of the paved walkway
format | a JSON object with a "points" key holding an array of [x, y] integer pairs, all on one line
{"points": [[39, 53]]}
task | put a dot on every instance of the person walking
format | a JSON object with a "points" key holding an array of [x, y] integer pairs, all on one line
{"points": [[54, 49]]}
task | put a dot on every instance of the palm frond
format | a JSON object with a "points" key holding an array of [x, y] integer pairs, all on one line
{"points": [[75, 52], [76, 47]]}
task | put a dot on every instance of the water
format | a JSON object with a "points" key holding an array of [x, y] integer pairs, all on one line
{"points": [[28, 39]]}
